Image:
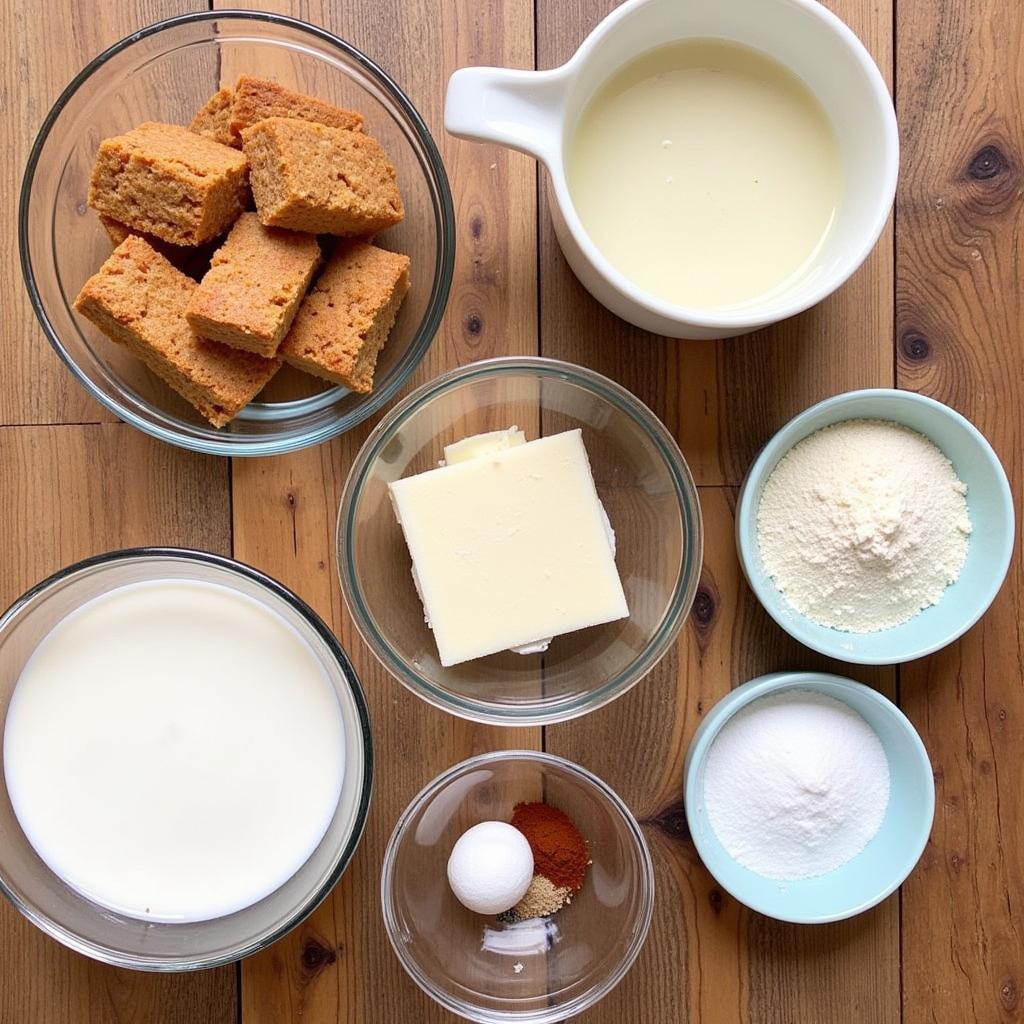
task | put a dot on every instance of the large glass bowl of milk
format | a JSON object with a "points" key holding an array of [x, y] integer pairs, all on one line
{"points": [[186, 758]]}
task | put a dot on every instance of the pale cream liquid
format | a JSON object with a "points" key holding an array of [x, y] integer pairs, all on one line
{"points": [[706, 173], [174, 750]]}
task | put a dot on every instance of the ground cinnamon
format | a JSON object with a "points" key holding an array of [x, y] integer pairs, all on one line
{"points": [[559, 852]]}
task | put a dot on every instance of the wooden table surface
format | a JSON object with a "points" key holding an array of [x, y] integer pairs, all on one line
{"points": [[937, 308]]}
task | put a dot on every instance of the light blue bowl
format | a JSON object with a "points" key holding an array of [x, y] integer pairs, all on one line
{"points": [[879, 869], [988, 554]]}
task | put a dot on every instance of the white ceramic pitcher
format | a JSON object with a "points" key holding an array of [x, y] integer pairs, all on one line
{"points": [[536, 112]]}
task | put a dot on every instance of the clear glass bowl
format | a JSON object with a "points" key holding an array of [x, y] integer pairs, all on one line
{"points": [[165, 73], [124, 941], [541, 971], [646, 488]]}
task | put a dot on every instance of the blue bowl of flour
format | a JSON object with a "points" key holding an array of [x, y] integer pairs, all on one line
{"points": [[989, 506], [880, 867]]}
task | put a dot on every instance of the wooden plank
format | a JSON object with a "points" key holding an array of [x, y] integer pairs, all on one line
{"points": [[723, 400], [960, 315], [40, 55], [339, 966], [80, 490]]}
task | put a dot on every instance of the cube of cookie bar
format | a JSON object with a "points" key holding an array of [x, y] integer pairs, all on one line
{"points": [[256, 99], [345, 319], [213, 119], [170, 182], [252, 291], [309, 177], [194, 260], [138, 298]]}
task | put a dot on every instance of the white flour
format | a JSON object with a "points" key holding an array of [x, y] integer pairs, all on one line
{"points": [[863, 524], [795, 785]]}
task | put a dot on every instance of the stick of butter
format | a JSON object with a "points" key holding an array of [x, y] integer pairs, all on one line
{"points": [[509, 544]]}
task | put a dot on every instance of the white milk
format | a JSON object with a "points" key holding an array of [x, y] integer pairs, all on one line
{"points": [[706, 173], [174, 750]]}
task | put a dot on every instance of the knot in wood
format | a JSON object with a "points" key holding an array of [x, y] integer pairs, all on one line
{"points": [[1008, 995], [316, 955], [474, 325], [988, 162], [704, 607], [672, 822], [717, 900], [915, 346]]}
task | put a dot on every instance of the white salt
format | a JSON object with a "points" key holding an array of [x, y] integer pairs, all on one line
{"points": [[795, 785]]}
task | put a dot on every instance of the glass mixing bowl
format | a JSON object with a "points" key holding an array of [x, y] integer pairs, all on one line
{"points": [[48, 902], [641, 478], [541, 971], [165, 73]]}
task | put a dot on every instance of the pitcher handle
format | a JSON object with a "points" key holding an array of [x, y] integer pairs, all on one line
{"points": [[519, 109]]}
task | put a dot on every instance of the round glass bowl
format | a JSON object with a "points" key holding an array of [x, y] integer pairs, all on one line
{"points": [[165, 73], [544, 970], [98, 932], [641, 478], [989, 505], [875, 872]]}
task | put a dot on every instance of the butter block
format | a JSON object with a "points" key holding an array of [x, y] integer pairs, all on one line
{"points": [[482, 444], [509, 546]]}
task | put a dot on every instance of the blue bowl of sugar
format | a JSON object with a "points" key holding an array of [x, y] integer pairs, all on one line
{"points": [[888, 857], [989, 507]]}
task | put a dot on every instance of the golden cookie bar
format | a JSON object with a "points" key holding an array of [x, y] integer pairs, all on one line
{"points": [[256, 99], [308, 177], [252, 291], [345, 319], [213, 119], [167, 181], [138, 298]]}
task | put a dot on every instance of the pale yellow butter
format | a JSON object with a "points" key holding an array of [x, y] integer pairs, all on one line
{"points": [[510, 546], [482, 444]]}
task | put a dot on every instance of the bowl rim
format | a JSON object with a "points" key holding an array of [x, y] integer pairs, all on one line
{"points": [[445, 259], [686, 585], [548, 1015], [782, 441], [777, 682], [96, 951]]}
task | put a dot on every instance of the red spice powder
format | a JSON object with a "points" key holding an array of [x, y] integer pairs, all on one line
{"points": [[559, 852]]}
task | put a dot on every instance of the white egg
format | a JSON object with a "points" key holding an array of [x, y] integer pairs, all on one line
{"points": [[490, 867]]}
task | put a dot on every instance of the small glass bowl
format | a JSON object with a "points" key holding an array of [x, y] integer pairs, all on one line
{"points": [[641, 478], [48, 902], [165, 73], [540, 971]]}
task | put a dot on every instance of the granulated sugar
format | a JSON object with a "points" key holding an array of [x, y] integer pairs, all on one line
{"points": [[795, 785], [863, 524]]}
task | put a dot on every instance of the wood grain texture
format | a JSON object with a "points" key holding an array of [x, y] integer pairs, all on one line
{"points": [[81, 490], [339, 966], [723, 400], [957, 327], [40, 55], [960, 318]]}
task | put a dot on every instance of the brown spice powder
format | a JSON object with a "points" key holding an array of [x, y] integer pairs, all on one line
{"points": [[542, 899]]}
